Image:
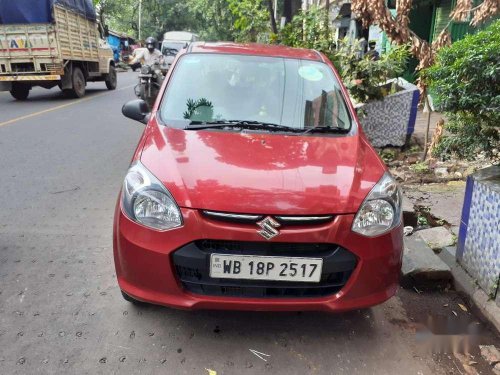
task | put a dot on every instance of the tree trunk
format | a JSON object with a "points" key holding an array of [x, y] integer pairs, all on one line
{"points": [[274, 28]]}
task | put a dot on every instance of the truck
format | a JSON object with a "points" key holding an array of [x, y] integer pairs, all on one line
{"points": [[52, 43], [174, 41]]}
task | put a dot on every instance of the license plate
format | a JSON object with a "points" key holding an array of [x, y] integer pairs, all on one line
{"points": [[255, 267]]}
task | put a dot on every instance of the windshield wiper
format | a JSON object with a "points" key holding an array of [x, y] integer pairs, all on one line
{"points": [[248, 124], [170, 51], [326, 129]]}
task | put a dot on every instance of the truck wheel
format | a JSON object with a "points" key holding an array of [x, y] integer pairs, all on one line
{"points": [[111, 78], [20, 91], [78, 81]]}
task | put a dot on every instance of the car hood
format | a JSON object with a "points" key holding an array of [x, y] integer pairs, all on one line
{"points": [[262, 173]]}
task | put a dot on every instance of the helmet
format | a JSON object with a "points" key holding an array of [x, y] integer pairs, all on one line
{"points": [[151, 44]]}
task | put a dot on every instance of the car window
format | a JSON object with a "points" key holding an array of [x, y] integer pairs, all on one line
{"points": [[172, 48], [212, 87]]}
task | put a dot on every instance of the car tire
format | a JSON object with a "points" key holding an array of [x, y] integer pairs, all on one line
{"points": [[111, 78], [127, 298], [78, 82], [20, 91]]}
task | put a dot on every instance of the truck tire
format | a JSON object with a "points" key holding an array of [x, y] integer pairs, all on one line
{"points": [[111, 78], [20, 91], [78, 82]]}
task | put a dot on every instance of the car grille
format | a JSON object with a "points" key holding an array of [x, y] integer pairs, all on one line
{"points": [[192, 265], [252, 218]]}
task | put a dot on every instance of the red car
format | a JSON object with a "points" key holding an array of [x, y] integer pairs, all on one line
{"points": [[253, 187]]}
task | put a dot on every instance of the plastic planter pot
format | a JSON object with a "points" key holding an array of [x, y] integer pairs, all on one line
{"points": [[391, 121]]}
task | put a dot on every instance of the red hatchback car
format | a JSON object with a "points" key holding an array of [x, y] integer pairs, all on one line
{"points": [[253, 187]]}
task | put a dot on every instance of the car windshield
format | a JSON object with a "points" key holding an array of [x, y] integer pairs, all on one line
{"points": [[169, 48], [293, 93]]}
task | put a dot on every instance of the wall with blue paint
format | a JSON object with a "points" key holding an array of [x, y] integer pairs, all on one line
{"points": [[478, 249], [114, 43]]}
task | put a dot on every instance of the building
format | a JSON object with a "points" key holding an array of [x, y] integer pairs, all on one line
{"points": [[427, 19], [120, 44]]}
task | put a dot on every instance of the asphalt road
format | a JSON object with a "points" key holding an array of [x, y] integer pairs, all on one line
{"points": [[62, 163]]}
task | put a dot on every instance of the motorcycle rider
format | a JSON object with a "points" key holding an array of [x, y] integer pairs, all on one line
{"points": [[152, 74], [148, 56]]}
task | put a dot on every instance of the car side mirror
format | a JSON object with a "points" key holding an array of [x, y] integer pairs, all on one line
{"points": [[137, 110]]}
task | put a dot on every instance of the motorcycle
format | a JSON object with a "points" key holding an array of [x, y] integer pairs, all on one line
{"points": [[150, 81]]}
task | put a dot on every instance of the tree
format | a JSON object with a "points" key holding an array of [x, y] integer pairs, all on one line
{"points": [[120, 15], [251, 19], [214, 19], [310, 29], [375, 12], [466, 84], [158, 16], [274, 28], [397, 29]]}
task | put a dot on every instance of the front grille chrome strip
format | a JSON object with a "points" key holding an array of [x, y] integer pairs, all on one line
{"points": [[228, 216], [249, 218], [311, 219]]}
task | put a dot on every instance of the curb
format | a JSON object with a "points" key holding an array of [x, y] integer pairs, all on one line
{"points": [[421, 267], [466, 285]]}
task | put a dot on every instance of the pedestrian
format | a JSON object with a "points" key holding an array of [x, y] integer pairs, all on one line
{"points": [[372, 53]]}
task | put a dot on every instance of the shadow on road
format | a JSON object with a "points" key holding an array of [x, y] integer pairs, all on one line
{"points": [[254, 325], [55, 95]]}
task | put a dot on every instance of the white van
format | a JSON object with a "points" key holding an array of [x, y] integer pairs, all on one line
{"points": [[174, 41]]}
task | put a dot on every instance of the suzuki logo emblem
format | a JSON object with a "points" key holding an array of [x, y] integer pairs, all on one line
{"points": [[268, 226]]}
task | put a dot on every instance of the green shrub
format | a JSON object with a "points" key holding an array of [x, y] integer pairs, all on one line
{"points": [[364, 77], [466, 84]]}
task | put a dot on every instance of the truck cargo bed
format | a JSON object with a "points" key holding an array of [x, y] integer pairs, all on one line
{"points": [[43, 48]]}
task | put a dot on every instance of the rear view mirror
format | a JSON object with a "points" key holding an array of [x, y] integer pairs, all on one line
{"points": [[137, 110]]}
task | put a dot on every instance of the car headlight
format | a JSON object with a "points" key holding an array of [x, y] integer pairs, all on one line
{"points": [[381, 210], [146, 201]]}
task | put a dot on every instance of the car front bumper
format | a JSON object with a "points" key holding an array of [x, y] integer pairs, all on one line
{"points": [[146, 269]]}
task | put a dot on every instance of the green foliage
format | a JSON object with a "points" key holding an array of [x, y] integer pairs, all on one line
{"points": [[365, 77], [158, 16], [251, 19], [494, 288], [466, 76], [119, 15], [362, 76], [422, 221], [309, 29], [467, 134], [388, 154], [212, 19], [466, 84], [420, 167], [242, 20]]}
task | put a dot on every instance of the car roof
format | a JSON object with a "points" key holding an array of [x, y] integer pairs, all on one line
{"points": [[255, 49]]}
